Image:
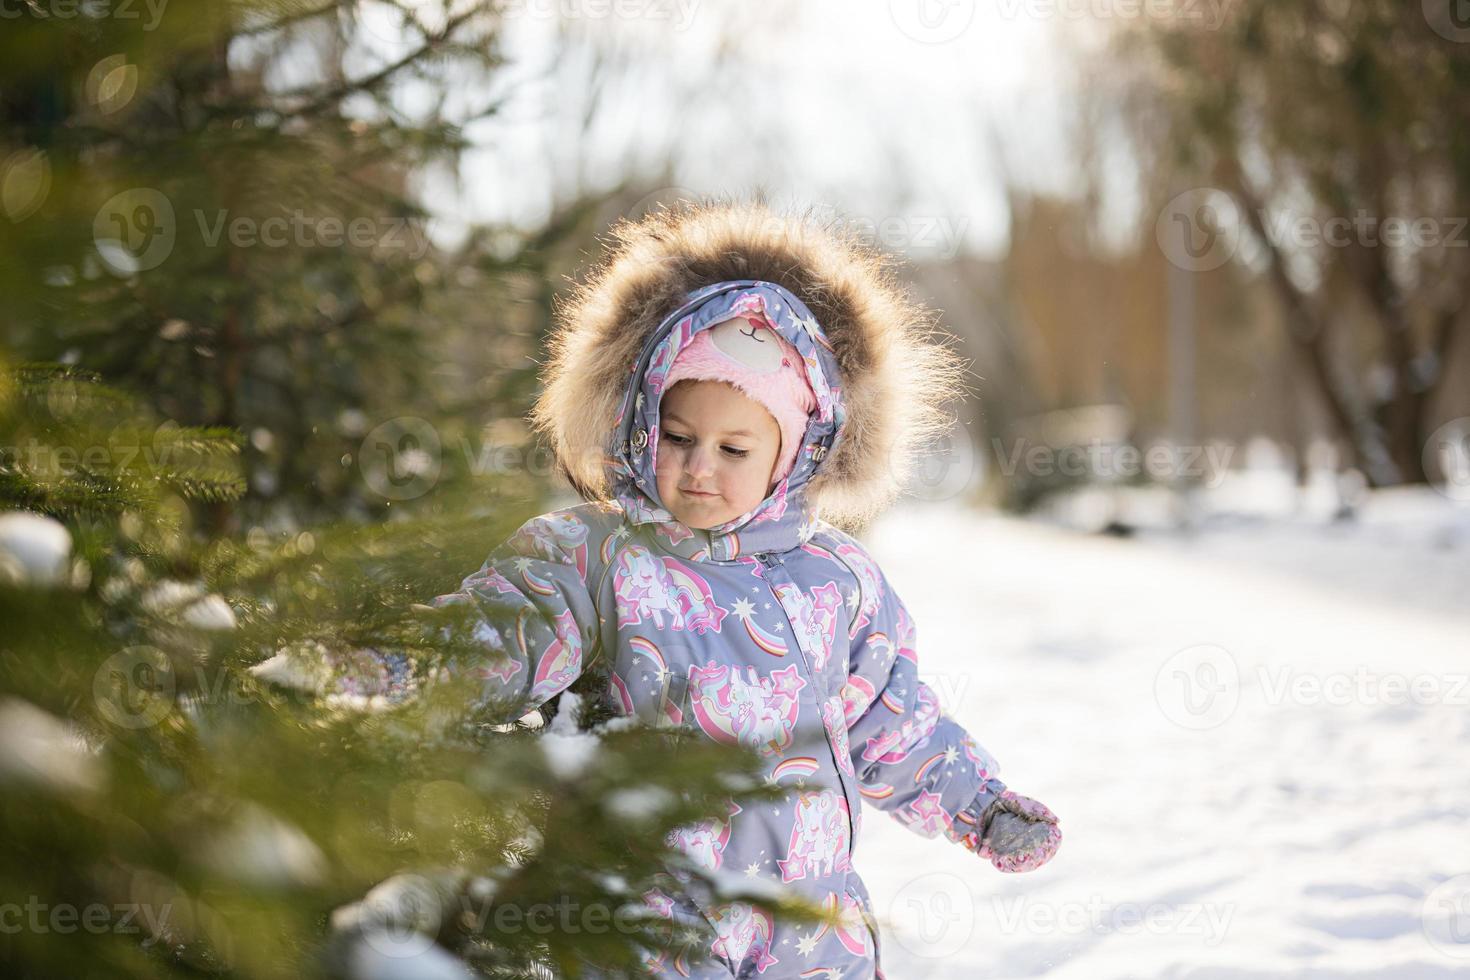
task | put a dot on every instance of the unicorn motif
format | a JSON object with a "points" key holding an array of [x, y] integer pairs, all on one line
{"points": [[659, 586], [825, 606], [755, 711], [819, 838], [982, 760], [857, 694], [554, 536], [744, 931], [852, 926], [562, 660], [834, 718], [705, 840], [870, 583], [895, 745]]}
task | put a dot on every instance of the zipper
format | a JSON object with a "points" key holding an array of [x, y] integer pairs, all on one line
{"points": [[770, 561]]}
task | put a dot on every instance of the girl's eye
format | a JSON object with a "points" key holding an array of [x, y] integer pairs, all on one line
{"points": [[679, 440]]}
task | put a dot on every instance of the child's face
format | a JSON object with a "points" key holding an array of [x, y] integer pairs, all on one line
{"points": [[713, 438]]}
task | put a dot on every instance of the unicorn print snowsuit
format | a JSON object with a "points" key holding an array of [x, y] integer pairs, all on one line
{"points": [[777, 629]]}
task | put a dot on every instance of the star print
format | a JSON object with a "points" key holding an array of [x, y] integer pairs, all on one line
{"points": [[927, 810], [852, 598], [809, 324], [752, 870], [806, 944], [743, 608], [951, 754], [638, 400], [522, 564]]}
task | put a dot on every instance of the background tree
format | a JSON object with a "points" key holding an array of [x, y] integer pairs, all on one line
{"points": [[1339, 134], [218, 207]]}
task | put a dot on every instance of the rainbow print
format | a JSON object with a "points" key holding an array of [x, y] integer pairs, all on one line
{"points": [[536, 583], [801, 766], [769, 642], [928, 764]]}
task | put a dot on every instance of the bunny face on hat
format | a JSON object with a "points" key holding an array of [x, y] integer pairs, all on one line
{"points": [[733, 427]]}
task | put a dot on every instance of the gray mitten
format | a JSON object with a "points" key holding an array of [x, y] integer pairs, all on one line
{"points": [[1018, 833]]}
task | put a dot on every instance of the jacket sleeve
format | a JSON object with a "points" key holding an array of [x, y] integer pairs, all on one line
{"points": [[912, 760], [531, 626]]}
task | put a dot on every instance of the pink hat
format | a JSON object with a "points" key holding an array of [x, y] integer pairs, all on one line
{"points": [[747, 353]]}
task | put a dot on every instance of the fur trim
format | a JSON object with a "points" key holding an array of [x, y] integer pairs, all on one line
{"points": [[897, 374]]}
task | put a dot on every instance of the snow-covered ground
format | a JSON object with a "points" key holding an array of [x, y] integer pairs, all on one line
{"points": [[1257, 738]]}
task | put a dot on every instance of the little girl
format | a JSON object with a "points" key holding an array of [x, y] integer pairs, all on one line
{"points": [[723, 390]]}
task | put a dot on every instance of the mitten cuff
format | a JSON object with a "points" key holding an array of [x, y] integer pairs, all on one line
{"points": [[969, 826]]}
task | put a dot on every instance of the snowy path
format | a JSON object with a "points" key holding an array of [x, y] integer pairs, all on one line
{"points": [[1267, 805]]}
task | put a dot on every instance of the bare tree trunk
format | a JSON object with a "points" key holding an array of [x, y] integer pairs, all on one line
{"points": [[1308, 332]]}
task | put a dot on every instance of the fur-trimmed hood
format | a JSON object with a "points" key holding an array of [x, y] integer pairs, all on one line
{"points": [[896, 371]]}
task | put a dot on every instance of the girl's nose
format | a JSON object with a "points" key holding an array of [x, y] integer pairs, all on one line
{"points": [[699, 462]]}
